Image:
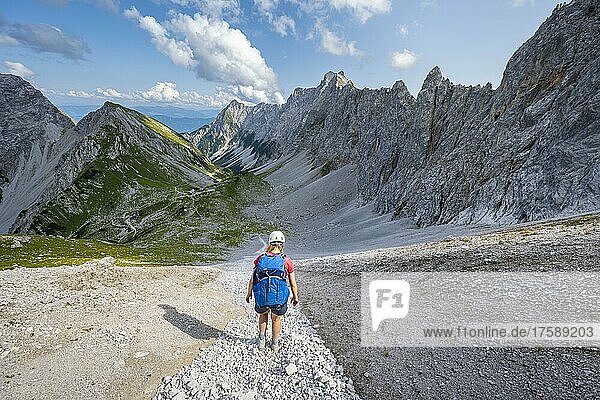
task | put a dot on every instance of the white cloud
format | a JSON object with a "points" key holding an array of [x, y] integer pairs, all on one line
{"points": [[132, 13], [333, 44], [363, 9], [178, 51], [17, 68], [282, 24], [113, 93], [403, 29], [214, 9], [217, 9], [74, 93], [403, 60], [215, 51], [266, 5], [163, 92]]}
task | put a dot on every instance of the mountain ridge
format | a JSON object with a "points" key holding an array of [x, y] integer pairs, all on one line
{"points": [[524, 151], [43, 161]]}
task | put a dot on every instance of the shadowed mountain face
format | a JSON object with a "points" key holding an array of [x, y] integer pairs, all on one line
{"points": [[528, 150], [34, 136]]}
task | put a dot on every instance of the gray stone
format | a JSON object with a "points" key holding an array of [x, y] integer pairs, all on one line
{"points": [[524, 151], [291, 369]]}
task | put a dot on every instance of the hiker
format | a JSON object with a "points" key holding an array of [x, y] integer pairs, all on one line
{"points": [[271, 293]]}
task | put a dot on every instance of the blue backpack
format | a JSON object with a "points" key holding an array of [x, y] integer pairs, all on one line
{"points": [[269, 283]]}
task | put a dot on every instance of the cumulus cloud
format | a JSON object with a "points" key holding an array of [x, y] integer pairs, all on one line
{"points": [[282, 24], [363, 9], [214, 51], [334, 44], [403, 60], [215, 9], [17, 68], [163, 92], [45, 38], [74, 93]]}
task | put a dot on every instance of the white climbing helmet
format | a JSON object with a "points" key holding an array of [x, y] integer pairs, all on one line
{"points": [[276, 237]]}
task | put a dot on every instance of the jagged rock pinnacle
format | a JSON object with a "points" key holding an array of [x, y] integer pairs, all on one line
{"points": [[434, 77], [339, 78]]}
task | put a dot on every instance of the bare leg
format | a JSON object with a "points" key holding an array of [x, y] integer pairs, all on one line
{"points": [[263, 319], [276, 331], [276, 328]]}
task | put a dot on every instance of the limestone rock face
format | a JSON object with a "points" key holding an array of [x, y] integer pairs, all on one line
{"points": [[34, 135], [528, 150]]}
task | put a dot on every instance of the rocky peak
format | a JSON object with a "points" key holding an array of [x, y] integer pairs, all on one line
{"points": [[28, 120], [13, 82], [399, 85], [433, 79], [334, 79]]}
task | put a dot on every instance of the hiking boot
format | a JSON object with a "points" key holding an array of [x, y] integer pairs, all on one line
{"points": [[276, 346], [262, 342]]}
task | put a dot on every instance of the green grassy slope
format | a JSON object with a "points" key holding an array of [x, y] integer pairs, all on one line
{"points": [[146, 190]]}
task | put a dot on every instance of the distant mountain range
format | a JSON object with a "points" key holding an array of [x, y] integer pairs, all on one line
{"points": [[528, 150], [177, 118]]}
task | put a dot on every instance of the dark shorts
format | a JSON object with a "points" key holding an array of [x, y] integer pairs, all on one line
{"points": [[279, 309]]}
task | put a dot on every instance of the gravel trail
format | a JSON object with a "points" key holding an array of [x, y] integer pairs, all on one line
{"points": [[234, 368]]}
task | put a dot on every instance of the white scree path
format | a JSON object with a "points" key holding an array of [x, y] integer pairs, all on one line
{"points": [[234, 368]]}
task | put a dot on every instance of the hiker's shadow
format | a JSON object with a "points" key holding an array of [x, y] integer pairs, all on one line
{"points": [[188, 324]]}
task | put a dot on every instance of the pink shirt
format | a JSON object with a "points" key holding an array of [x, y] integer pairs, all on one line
{"points": [[287, 262]]}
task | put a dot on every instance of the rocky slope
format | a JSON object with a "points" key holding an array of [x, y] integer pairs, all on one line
{"points": [[527, 150], [34, 135], [464, 372]]}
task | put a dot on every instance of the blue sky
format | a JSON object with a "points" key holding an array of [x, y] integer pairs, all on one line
{"points": [[204, 53]]}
